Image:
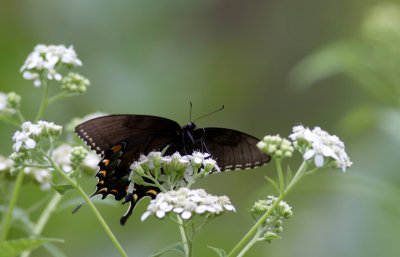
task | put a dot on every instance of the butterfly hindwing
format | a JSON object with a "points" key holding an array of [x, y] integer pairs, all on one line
{"points": [[231, 149]]}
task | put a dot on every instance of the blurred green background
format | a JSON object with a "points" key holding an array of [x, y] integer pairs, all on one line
{"points": [[273, 64]]}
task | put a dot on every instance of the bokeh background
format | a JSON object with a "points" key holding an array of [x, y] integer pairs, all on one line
{"points": [[273, 64]]}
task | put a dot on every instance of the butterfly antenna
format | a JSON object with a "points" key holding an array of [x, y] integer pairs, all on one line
{"points": [[222, 107], [190, 115]]}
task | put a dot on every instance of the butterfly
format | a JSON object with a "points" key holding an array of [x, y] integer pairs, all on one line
{"points": [[121, 139]]}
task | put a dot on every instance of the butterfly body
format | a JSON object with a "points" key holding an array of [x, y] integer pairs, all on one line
{"points": [[121, 139]]}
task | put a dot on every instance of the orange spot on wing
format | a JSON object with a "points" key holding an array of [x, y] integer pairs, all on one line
{"points": [[116, 148], [102, 172], [106, 162], [101, 182], [104, 189], [114, 191], [151, 191]]}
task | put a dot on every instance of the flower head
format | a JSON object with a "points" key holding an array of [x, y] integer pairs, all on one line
{"points": [[9, 103], [75, 83], [318, 144], [39, 176], [188, 203], [276, 146], [273, 224], [46, 60], [6, 165], [176, 170]]}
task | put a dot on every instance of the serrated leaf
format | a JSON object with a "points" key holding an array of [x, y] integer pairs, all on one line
{"points": [[61, 189], [219, 251], [178, 247], [13, 247], [273, 183]]}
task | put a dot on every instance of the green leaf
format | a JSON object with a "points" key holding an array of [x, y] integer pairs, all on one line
{"points": [[219, 251], [61, 189], [13, 247], [273, 183], [178, 247]]}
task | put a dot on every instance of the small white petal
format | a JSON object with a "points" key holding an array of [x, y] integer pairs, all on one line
{"points": [[178, 210], [229, 207], [308, 154], [160, 214], [201, 209], [319, 160], [145, 215], [186, 215], [30, 143]]}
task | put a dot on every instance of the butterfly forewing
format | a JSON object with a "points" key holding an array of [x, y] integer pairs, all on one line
{"points": [[145, 132]]}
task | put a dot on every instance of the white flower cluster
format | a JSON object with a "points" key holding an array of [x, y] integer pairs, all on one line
{"points": [[75, 83], [276, 146], [9, 103], [64, 155], [48, 58], [274, 223], [176, 169], [319, 144], [41, 176], [5, 163], [30, 133], [187, 203]]}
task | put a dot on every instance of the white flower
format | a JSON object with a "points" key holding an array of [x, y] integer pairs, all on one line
{"points": [[22, 139], [187, 203], [41, 176], [48, 58], [320, 145], [3, 101], [5, 163], [62, 157], [91, 160]]}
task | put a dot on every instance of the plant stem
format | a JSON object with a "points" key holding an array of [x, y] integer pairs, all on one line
{"points": [[185, 241], [299, 174], [44, 217], [20, 116], [13, 201], [280, 175], [92, 207], [251, 243], [255, 227], [10, 121], [43, 104]]}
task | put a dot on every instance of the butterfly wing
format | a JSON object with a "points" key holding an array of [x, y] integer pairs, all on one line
{"points": [[231, 149], [120, 140]]}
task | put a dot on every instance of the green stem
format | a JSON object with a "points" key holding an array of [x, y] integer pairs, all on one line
{"points": [[255, 227], [92, 207], [10, 121], [44, 217], [43, 104], [20, 116], [299, 174], [57, 97], [280, 175], [251, 243], [185, 241], [13, 201]]}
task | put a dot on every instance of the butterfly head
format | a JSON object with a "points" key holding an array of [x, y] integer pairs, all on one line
{"points": [[190, 126]]}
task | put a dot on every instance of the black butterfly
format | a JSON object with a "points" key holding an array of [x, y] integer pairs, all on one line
{"points": [[121, 139]]}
